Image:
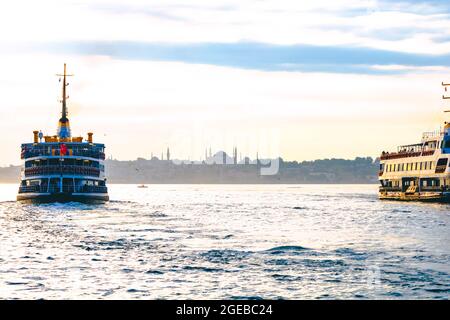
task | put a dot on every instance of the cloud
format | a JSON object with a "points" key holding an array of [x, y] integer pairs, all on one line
{"points": [[346, 69], [403, 26], [261, 56]]}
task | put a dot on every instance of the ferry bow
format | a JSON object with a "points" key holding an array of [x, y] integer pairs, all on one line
{"points": [[418, 171]]}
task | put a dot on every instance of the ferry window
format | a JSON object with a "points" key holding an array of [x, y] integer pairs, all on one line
{"points": [[447, 144], [33, 182], [442, 162]]}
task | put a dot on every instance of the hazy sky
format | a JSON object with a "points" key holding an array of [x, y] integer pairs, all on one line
{"points": [[304, 79]]}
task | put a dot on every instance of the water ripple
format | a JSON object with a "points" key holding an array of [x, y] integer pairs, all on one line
{"points": [[236, 242]]}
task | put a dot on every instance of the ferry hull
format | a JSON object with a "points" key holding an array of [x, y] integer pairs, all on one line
{"points": [[63, 197], [439, 197]]}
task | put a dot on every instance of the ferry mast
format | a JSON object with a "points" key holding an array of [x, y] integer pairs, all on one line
{"points": [[64, 124]]}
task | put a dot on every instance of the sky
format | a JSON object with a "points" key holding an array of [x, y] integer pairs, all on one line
{"points": [[301, 79]]}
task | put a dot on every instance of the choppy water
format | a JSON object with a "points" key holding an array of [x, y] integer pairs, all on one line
{"points": [[225, 241]]}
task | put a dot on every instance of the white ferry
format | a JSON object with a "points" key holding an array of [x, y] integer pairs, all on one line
{"points": [[418, 171], [62, 168]]}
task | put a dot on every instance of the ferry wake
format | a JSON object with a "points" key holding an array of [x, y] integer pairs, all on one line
{"points": [[62, 168], [418, 171]]}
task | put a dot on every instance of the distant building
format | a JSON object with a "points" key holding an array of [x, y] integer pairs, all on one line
{"points": [[220, 157]]}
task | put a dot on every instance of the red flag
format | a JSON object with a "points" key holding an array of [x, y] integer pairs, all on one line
{"points": [[62, 149]]}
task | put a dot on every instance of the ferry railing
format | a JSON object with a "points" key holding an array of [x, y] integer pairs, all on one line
{"points": [[91, 189], [434, 188], [66, 169], [45, 153], [392, 189], [66, 188], [432, 134], [399, 155], [32, 189]]}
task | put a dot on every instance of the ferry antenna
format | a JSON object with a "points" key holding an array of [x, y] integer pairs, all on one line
{"points": [[64, 97]]}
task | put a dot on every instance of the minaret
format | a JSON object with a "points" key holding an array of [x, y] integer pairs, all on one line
{"points": [[168, 154], [64, 125]]}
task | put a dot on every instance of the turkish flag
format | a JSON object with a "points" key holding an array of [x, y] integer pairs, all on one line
{"points": [[62, 149]]}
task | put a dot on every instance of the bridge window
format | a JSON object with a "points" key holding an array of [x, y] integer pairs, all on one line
{"points": [[447, 143]]}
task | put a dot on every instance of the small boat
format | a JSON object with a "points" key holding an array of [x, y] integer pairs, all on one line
{"points": [[62, 168], [142, 186]]}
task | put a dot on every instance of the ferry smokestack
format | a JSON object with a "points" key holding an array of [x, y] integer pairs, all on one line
{"points": [[35, 136], [90, 134]]}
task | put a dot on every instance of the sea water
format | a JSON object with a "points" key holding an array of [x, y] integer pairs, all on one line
{"points": [[225, 242]]}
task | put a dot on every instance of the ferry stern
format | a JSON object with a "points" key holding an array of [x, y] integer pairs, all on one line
{"points": [[62, 168]]}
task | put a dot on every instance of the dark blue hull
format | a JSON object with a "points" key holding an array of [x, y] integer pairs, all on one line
{"points": [[63, 197]]}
